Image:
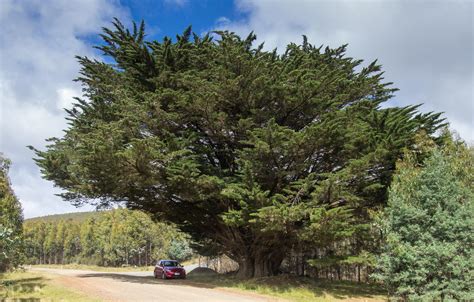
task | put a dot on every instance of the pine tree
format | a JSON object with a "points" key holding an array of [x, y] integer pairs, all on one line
{"points": [[429, 228], [249, 151]]}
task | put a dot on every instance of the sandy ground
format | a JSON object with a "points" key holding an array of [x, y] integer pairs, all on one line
{"points": [[142, 286]]}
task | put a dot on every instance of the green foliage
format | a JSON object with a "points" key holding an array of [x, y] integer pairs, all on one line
{"points": [[246, 150], [429, 227], [11, 219], [180, 250], [364, 258], [110, 238]]}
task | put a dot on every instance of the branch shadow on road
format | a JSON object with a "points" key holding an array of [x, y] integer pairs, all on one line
{"points": [[146, 280]]}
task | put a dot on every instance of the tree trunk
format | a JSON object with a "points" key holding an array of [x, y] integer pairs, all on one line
{"points": [[358, 273], [146, 254], [259, 264], [246, 268], [150, 255]]}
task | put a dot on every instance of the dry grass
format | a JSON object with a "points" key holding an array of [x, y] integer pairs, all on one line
{"points": [[300, 289], [33, 287]]}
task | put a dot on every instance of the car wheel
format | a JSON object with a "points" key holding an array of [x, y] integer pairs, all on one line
{"points": [[154, 275]]}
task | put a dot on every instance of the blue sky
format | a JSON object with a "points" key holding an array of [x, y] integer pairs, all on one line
{"points": [[168, 18], [426, 48]]}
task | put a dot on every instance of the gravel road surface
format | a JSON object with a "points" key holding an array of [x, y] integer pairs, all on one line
{"points": [[142, 286]]}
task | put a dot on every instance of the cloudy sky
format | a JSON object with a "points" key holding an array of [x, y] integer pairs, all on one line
{"points": [[426, 48]]}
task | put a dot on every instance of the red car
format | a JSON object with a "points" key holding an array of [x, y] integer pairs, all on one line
{"points": [[168, 269]]}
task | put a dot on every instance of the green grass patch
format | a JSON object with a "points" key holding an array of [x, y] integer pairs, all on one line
{"points": [[96, 267], [300, 289], [28, 286]]}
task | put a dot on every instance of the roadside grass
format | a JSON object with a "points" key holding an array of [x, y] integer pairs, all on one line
{"points": [[95, 267], [299, 289], [28, 286]]}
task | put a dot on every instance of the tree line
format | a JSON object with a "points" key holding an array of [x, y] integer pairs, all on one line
{"points": [[112, 238]]}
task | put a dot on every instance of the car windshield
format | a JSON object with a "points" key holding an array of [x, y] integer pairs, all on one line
{"points": [[169, 263]]}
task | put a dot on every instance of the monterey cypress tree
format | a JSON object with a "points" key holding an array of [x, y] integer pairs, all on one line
{"points": [[248, 151]]}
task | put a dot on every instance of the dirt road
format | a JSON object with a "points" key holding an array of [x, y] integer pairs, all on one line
{"points": [[142, 286]]}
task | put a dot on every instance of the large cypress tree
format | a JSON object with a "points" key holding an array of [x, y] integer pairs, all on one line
{"points": [[11, 222], [249, 151]]}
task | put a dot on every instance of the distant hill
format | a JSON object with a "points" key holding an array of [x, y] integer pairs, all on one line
{"points": [[77, 216]]}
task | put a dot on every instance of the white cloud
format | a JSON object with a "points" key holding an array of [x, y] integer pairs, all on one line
{"points": [[65, 97], [223, 21], [37, 47], [37, 195], [426, 47]]}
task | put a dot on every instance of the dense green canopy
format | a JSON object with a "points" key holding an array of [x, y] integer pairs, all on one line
{"points": [[247, 150], [11, 220], [429, 227]]}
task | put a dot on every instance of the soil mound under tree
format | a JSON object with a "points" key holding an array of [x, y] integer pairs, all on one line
{"points": [[202, 271]]}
